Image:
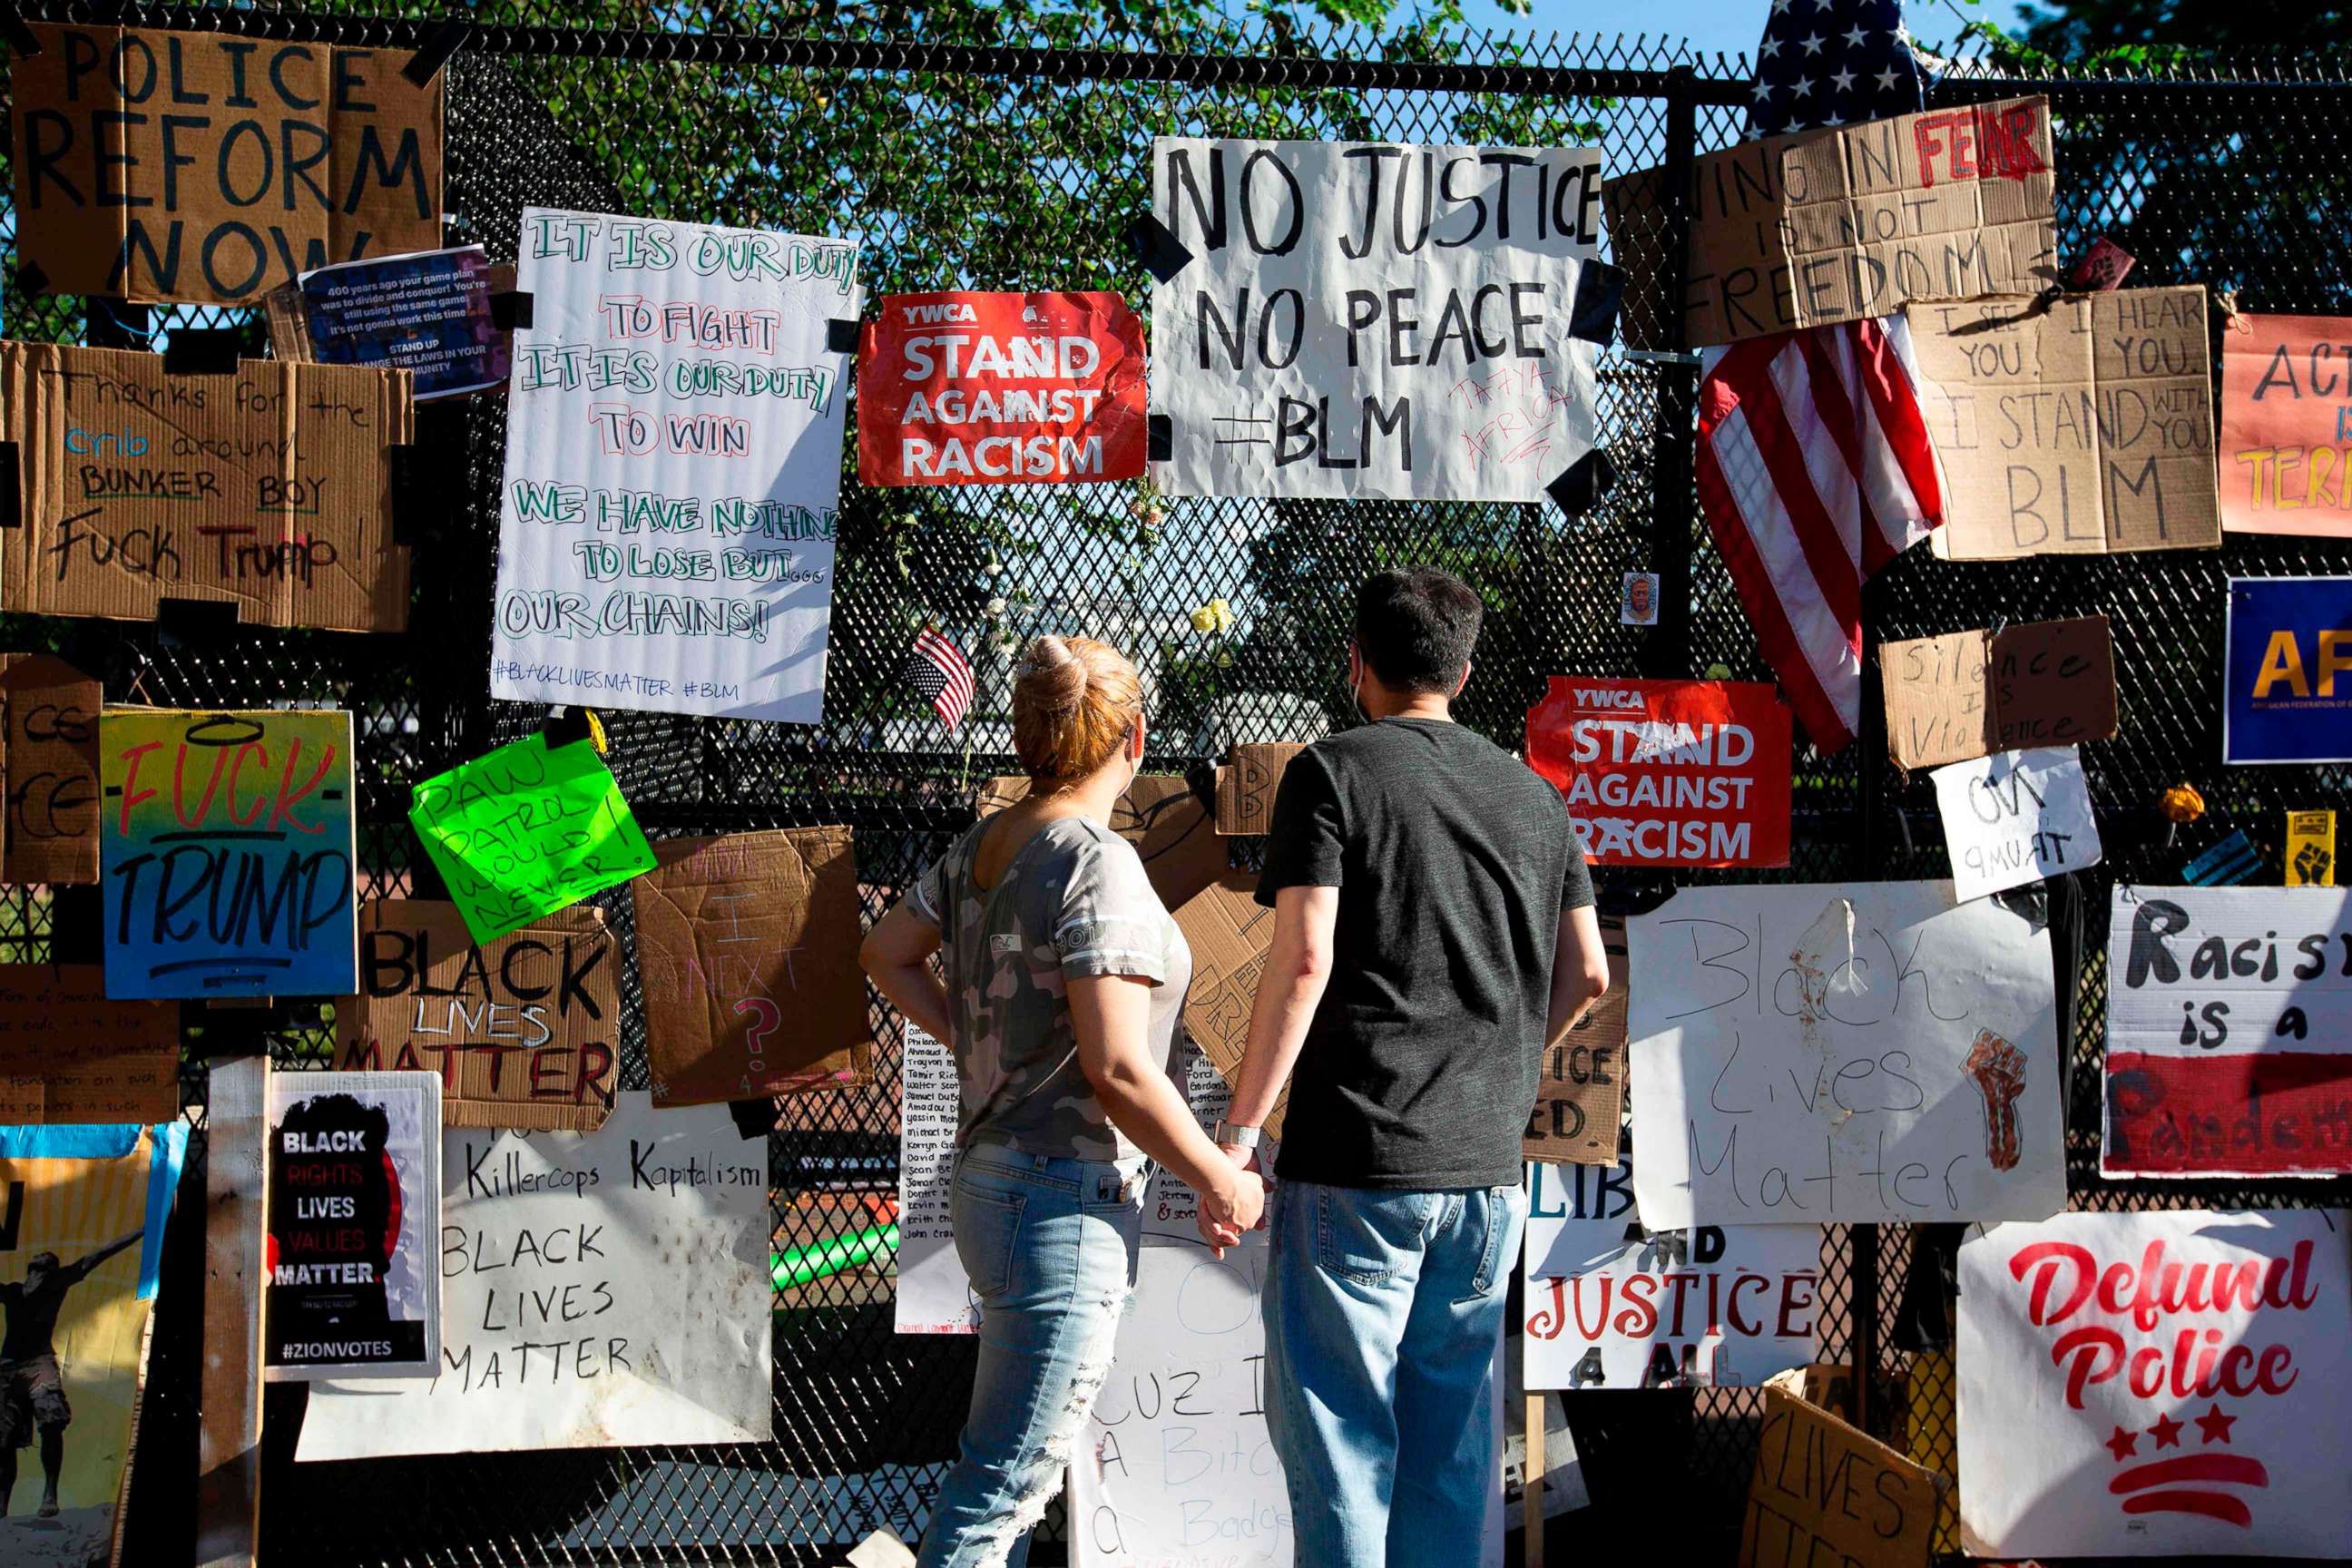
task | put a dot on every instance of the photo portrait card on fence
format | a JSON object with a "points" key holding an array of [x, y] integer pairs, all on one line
{"points": [[227, 843], [68, 1053], [428, 313], [2016, 818], [2159, 1384], [673, 474], [1969, 694], [2288, 683], [2286, 457], [1872, 1053], [1369, 321], [48, 771]]}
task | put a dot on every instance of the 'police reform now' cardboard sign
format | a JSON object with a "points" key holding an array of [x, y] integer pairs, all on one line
{"points": [[1667, 773]]}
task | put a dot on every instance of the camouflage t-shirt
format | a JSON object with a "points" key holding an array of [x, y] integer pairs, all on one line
{"points": [[1073, 902]]}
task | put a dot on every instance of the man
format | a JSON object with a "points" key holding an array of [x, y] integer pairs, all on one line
{"points": [[1434, 930], [32, 1391]]}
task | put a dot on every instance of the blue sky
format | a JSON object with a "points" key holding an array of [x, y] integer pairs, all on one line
{"points": [[1731, 27]]}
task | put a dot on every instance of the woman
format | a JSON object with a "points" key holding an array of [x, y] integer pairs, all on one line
{"points": [[1064, 978]]}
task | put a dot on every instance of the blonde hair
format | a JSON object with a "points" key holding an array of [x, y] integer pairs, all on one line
{"points": [[1074, 702]]}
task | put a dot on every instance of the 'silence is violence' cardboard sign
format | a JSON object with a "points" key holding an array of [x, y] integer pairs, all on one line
{"points": [[269, 488], [1970, 694]]}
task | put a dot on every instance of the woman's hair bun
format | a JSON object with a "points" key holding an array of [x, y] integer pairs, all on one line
{"points": [[1052, 675], [1074, 702]]}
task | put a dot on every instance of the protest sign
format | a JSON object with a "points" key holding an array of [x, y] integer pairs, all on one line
{"points": [[48, 773], [294, 155], [426, 313], [2155, 1384], [1360, 320], [267, 488], [81, 1253], [968, 388], [1581, 1094], [2228, 1033], [598, 1289], [522, 1031], [747, 950], [1834, 226], [1916, 1037], [1248, 785], [1229, 932], [354, 1225], [69, 1054], [2288, 696], [1970, 694], [1172, 830], [1610, 1304], [2016, 818], [673, 471], [2311, 849], [1827, 1491], [226, 842], [2286, 458], [2080, 427], [527, 830], [935, 1296], [1667, 773]]}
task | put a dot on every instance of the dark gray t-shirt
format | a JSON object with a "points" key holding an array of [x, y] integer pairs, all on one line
{"points": [[1073, 902], [1453, 861]]}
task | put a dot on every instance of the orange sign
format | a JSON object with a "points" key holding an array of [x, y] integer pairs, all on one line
{"points": [[2286, 425]]}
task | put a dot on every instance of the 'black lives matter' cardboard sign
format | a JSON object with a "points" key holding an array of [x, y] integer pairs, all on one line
{"points": [[207, 168]]}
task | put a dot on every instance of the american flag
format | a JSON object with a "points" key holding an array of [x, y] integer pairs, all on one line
{"points": [[936, 669], [1814, 468]]}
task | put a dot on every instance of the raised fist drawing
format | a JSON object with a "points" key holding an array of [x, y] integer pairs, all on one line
{"points": [[1998, 1069]]}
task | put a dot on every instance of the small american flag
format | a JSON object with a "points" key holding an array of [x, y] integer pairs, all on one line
{"points": [[936, 669]]}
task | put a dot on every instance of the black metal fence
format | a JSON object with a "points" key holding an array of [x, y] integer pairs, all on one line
{"points": [[1009, 149]]}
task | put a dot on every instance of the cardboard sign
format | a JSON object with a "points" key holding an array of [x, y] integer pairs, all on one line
{"points": [[1229, 932], [228, 842], [1827, 1491], [2286, 458], [2287, 692], [2016, 819], [995, 389], [1581, 1097], [2228, 1033], [208, 168], [355, 1241], [1248, 785], [2082, 428], [428, 314], [269, 489], [1970, 694], [2311, 849], [1833, 225], [522, 1031], [48, 774], [68, 1054], [673, 475], [1870, 1053], [747, 949], [1667, 773], [527, 830], [2155, 1384], [1346, 318], [646, 1240], [1160, 814]]}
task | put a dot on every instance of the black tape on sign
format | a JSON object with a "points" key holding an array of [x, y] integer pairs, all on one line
{"points": [[1599, 290], [754, 1118], [1159, 438], [22, 41], [445, 40], [412, 486], [1163, 254], [77, 924], [32, 279], [202, 351], [1587, 480], [181, 621], [841, 336], [12, 480], [510, 309]]}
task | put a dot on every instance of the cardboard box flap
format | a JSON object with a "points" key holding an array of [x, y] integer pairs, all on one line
{"points": [[1580, 1092], [1229, 932], [1248, 783]]}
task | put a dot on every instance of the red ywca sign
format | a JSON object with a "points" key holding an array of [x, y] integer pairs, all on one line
{"points": [[1667, 773], [999, 389]]}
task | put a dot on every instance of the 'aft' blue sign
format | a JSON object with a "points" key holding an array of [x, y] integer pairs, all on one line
{"points": [[2290, 671]]}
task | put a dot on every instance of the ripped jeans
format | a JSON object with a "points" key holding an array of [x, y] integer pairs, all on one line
{"points": [[1049, 1246]]}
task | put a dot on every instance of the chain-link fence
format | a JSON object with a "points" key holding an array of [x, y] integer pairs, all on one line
{"points": [[1009, 149]]}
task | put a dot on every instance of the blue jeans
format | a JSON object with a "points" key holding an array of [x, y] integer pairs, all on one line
{"points": [[1382, 1310], [1049, 1246]]}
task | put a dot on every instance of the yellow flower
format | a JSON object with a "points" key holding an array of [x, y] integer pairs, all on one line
{"points": [[1223, 613], [1204, 619], [2181, 804]]}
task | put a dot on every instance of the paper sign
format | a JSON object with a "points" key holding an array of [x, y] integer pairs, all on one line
{"points": [[2228, 1033], [1869, 1053], [226, 842], [269, 488], [208, 168], [428, 314], [1825, 1491], [527, 830], [355, 1239], [935, 1296], [666, 530], [522, 1031], [68, 1054], [747, 950], [2154, 1385], [2288, 696], [647, 1240], [1377, 322], [1970, 694], [50, 775], [1667, 773], [2016, 818], [2311, 849], [1160, 814], [1248, 785], [2286, 457], [1612, 1305], [1834, 226], [1229, 932], [2084, 427], [977, 389], [1581, 1097]]}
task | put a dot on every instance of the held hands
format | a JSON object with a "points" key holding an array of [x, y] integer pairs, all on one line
{"points": [[1233, 1203]]}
